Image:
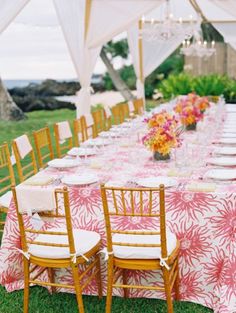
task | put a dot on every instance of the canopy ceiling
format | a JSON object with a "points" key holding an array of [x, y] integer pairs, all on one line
{"points": [[88, 24]]}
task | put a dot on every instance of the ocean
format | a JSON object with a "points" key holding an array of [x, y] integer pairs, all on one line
{"points": [[11, 83]]}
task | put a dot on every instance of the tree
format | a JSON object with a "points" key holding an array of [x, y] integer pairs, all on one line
{"points": [[9, 111], [119, 48]]}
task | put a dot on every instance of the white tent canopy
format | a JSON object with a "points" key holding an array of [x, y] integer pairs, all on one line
{"points": [[228, 5], [88, 24], [9, 10]]}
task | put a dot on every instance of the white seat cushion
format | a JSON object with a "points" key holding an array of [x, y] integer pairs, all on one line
{"points": [[5, 200], [84, 241], [127, 252]]}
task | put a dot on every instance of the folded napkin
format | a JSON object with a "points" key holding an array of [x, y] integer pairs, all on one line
{"points": [[107, 111], [201, 187], [89, 119], [38, 181], [35, 198], [179, 173], [96, 164], [131, 106], [64, 130], [23, 145]]}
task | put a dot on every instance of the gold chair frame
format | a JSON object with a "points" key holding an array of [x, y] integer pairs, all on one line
{"points": [[118, 267], [7, 180], [79, 132], [42, 139], [62, 148], [51, 264], [22, 170]]}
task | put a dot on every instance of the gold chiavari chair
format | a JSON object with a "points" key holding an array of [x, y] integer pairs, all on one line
{"points": [[124, 111], [79, 132], [55, 248], [88, 126], [7, 179], [98, 121], [116, 113], [139, 249], [43, 144], [24, 154], [138, 106], [63, 138], [107, 118]]}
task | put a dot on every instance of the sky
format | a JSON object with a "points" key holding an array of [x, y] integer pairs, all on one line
{"points": [[33, 46]]}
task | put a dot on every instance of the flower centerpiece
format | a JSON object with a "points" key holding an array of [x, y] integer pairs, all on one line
{"points": [[163, 135], [203, 103], [189, 111]]}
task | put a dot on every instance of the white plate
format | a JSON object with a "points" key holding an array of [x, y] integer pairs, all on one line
{"points": [[230, 141], [221, 174], [109, 134], [81, 152], [230, 161], [155, 182], [63, 163], [98, 142], [229, 135], [225, 151], [78, 180]]}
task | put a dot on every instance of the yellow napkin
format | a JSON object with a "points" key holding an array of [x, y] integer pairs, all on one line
{"points": [[96, 164], [201, 187], [39, 181], [178, 173]]}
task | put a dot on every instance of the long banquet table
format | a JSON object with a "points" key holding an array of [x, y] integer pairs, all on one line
{"points": [[204, 222]]}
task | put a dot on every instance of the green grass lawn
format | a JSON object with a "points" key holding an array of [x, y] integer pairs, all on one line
{"points": [[40, 300]]}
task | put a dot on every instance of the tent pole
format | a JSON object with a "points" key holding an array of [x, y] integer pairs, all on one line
{"points": [[198, 9], [88, 5], [140, 46]]}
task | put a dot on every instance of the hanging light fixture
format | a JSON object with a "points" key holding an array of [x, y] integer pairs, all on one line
{"points": [[198, 47], [166, 28]]}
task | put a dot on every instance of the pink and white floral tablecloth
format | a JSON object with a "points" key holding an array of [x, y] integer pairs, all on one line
{"points": [[205, 224]]}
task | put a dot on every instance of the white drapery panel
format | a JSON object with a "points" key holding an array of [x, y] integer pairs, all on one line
{"points": [[154, 53], [228, 31], [228, 5], [109, 18], [9, 9], [71, 14]]}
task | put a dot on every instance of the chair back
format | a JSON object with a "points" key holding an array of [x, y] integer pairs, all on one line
{"points": [[107, 117], [7, 178], [25, 157], [99, 122], [79, 131], [124, 111], [134, 206], [88, 126], [63, 137], [138, 106], [43, 144], [116, 113], [29, 233]]}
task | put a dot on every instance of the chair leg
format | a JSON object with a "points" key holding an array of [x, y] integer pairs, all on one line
{"points": [[98, 276], [51, 278], [78, 289], [166, 277], [176, 285], [109, 284], [125, 282], [26, 285]]}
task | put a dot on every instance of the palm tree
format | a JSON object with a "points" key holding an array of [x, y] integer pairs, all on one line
{"points": [[114, 49]]}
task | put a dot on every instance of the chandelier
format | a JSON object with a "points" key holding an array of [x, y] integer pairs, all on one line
{"points": [[198, 47], [166, 28]]}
